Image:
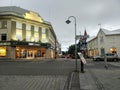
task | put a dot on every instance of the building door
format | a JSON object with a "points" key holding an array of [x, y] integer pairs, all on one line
{"points": [[102, 51], [30, 53]]}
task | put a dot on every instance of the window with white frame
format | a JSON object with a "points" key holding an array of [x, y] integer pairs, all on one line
{"points": [[28, 27], [43, 35], [3, 24], [18, 34], [43, 30], [36, 37], [28, 32], [36, 28], [18, 31], [28, 35], [18, 25]]}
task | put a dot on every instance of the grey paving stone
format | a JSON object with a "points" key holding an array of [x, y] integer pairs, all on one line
{"points": [[86, 81], [43, 82]]}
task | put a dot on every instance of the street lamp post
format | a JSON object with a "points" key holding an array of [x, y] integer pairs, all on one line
{"points": [[68, 21]]}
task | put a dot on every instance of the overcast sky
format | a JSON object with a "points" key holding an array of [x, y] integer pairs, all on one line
{"points": [[88, 13]]}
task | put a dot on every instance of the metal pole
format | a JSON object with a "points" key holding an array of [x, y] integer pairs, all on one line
{"points": [[75, 42], [105, 59], [75, 46]]}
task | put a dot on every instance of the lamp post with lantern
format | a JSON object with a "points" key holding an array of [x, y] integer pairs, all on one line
{"points": [[68, 21]]}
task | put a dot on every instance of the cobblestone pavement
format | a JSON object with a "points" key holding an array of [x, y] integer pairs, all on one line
{"points": [[43, 82]]}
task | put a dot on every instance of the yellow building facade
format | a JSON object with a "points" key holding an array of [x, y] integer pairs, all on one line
{"points": [[24, 34]]}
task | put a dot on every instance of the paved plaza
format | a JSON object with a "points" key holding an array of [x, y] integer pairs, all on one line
{"points": [[101, 78], [96, 76], [43, 82]]}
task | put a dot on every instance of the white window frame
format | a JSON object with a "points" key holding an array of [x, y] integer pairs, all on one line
{"points": [[28, 27], [18, 34], [36, 28], [18, 25]]}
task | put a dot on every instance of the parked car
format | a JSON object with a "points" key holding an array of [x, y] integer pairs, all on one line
{"points": [[73, 56], [98, 58], [109, 57], [68, 56], [62, 56]]}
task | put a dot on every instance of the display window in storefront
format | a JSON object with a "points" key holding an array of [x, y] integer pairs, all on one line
{"points": [[2, 51]]}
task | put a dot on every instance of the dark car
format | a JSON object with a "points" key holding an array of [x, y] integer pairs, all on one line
{"points": [[108, 56]]}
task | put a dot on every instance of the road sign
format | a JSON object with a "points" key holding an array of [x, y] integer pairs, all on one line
{"points": [[82, 58]]}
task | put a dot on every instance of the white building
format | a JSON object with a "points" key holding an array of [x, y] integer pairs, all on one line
{"points": [[105, 42]]}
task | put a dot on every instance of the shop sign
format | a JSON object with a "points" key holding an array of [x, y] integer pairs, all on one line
{"points": [[35, 44], [14, 43], [5, 43], [18, 43]]}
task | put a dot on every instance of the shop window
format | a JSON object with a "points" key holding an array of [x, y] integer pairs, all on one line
{"points": [[3, 24], [2, 51], [3, 37], [113, 50], [17, 52]]}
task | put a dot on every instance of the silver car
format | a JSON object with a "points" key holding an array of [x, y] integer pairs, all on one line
{"points": [[108, 56]]}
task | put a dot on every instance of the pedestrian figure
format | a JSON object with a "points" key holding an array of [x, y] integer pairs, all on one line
{"points": [[83, 61]]}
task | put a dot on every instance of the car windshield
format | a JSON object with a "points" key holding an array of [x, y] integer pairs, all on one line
{"points": [[109, 54]]}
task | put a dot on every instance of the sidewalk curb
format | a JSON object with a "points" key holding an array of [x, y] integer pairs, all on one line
{"points": [[70, 81]]}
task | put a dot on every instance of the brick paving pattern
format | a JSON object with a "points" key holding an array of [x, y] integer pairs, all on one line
{"points": [[45, 82]]}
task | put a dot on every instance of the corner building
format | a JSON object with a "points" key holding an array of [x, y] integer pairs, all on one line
{"points": [[24, 34]]}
